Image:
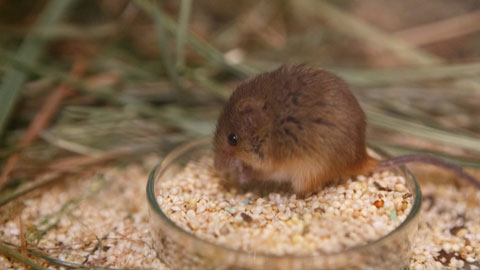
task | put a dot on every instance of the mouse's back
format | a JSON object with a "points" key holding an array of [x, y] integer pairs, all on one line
{"points": [[310, 111]]}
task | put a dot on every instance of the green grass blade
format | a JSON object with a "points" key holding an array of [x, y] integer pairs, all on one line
{"points": [[383, 120], [162, 39], [182, 32], [164, 114], [28, 52], [200, 46], [398, 150], [8, 252], [71, 265], [378, 77], [355, 27], [216, 89]]}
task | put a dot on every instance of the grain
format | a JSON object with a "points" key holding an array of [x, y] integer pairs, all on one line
{"points": [[336, 218], [449, 231], [119, 214]]}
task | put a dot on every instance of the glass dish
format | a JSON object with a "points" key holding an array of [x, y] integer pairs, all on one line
{"points": [[180, 249]]}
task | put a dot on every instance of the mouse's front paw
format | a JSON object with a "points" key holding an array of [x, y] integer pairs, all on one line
{"points": [[242, 172], [243, 178]]}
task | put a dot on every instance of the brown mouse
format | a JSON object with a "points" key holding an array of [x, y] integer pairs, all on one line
{"points": [[301, 125]]}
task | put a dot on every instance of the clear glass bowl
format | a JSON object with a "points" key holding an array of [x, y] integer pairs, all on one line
{"points": [[180, 249]]}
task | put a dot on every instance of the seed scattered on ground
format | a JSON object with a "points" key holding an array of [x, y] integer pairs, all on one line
{"points": [[450, 224]]}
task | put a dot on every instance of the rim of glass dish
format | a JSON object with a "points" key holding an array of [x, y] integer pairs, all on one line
{"points": [[182, 149]]}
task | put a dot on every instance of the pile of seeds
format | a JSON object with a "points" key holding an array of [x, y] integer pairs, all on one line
{"points": [[96, 221], [449, 231], [336, 218], [116, 212]]}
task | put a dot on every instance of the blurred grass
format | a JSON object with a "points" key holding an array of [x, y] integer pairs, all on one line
{"points": [[29, 51], [186, 6], [402, 76], [196, 85], [11, 253], [163, 41], [361, 30], [382, 119], [161, 71], [397, 150]]}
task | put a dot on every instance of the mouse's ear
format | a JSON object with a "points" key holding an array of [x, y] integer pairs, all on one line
{"points": [[251, 113]]}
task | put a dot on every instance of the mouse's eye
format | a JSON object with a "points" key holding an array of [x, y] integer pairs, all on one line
{"points": [[232, 139]]}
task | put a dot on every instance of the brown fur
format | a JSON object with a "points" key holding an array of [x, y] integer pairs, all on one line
{"points": [[294, 124]]}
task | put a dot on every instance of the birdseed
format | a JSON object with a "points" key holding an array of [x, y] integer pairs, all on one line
{"points": [[118, 214], [449, 229], [336, 218]]}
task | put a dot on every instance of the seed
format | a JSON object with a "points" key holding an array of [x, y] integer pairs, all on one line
{"points": [[246, 217], [470, 260], [296, 238], [393, 215], [283, 216], [378, 203], [404, 205], [224, 230], [272, 223], [190, 213]]}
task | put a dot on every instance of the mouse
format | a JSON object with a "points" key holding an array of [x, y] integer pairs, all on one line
{"points": [[301, 125]]}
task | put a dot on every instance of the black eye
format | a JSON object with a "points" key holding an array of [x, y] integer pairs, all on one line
{"points": [[232, 139]]}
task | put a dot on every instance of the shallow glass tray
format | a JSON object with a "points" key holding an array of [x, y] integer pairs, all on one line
{"points": [[180, 249]]}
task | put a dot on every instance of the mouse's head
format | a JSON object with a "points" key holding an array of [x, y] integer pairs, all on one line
{"points": [[241, 137]]}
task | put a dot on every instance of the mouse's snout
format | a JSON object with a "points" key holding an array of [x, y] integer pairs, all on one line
{"points": [[227, 163], [232, 168], [222, 161]]}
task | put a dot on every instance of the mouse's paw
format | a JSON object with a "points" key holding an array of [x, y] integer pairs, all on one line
{"points": [[243, 178], [241, 172]]}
